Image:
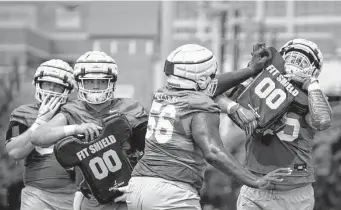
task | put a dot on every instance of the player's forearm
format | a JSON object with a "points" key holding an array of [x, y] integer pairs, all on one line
{"points": [[228, 80], [320, 113], [19, 147], [224, 103], [227, 164], [46, 135]]}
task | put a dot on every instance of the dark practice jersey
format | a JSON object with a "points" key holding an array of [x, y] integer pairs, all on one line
{"points": [[77, 112], [269, 95], [103, 163], [41, 167], [170, 150], [287, 142]]}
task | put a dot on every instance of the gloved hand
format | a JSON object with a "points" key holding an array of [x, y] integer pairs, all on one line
{"points": [[243, 117], [260, 55]]}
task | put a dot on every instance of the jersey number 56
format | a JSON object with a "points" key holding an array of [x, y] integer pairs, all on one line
{"points": [[161, 122]]}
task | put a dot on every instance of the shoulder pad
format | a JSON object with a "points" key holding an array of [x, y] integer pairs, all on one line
{"points": [[133, 110], [76, 112], [199, 101], [72, 106], [25, 114]]}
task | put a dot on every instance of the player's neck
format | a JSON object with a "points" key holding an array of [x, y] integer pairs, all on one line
{"points": [[99, 107]]}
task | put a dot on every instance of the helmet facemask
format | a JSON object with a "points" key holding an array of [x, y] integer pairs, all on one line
{"points": [[303, 59], [92, 96], [41, 94], [298, 66]]}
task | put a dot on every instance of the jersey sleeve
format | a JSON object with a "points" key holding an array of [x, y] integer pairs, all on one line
{"points": [[70, 111], [25, 114], [65, 110], [20, 120], [199, 102], [15, 129]]}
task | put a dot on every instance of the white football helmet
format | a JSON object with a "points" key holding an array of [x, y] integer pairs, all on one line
{"points": [[302, 59], [96, 65], [56, 71], [192, 67]]}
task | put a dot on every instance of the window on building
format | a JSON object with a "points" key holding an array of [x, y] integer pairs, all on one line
{"points": [[113, 47], [96, 45], [132, 47], [68, 17], [15, 14], [149, 47]]}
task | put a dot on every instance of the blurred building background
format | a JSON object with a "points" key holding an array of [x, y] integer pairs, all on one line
{"points": [[140, 34]]}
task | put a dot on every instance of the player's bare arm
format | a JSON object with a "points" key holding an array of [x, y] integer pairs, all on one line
{"points": [[206, 135], [56, 129], [226, 81], [320, 113]]}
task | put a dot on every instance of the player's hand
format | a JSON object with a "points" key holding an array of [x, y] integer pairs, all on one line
{"points": [[123, 197], [48, 108], [90, 131], [276, 176], [77, 201], [260, 55], [245, 118], [257, 47], [308, 81]]}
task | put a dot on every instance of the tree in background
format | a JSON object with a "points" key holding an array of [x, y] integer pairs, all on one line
{"points": [[10, 170]]}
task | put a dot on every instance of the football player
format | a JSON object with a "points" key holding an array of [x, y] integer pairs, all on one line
{"points": [[96, 74], [289, 141], [182, 134], [47, 184]]}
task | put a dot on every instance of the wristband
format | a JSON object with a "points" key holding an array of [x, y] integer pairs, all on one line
{"points": [[230, 106], [314, 86], [69, 130]]}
